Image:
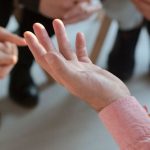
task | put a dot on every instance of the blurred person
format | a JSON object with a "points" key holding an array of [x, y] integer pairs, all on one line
{"points": [[121, 60], [124, 117], [23, 90]]}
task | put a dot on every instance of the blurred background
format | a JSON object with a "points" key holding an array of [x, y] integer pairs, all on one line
{"points": [[62, 121]]}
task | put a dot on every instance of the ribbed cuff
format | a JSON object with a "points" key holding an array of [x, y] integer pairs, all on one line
{"points": [[127, 121]]}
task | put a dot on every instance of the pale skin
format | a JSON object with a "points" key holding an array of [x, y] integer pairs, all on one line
{"points": [[74, 70], [144, 7], [8, 51], [80, 12], [70, 11]]}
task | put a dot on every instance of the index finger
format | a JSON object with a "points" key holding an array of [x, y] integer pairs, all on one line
{"points": [[10, 37]]}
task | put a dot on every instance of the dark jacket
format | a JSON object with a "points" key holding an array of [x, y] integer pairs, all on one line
{"points": [[30, 4]]}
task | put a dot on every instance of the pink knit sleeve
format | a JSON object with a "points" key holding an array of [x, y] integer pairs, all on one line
{"points": [[129, 124]]}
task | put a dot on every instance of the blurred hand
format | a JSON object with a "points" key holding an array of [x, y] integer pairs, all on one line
{"points": [[8, 57], [10, 37], [8, 51], [80, 12], [144, 7], [74, 70], [57, 8]]}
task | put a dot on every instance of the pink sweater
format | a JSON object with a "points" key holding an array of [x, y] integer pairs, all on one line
{"points": [[129, 124]]}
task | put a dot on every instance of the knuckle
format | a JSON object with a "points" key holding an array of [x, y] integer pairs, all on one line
{"points": [[13, 60]]}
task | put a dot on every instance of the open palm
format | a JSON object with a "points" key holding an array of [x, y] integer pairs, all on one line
{"points": [[74, 70]]}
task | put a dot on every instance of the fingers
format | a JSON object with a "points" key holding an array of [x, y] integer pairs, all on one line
{"points": [[8, 48], [62, 39], [73, 12], [81, 49], [41, 43], [7, 59], [8, 54], [36, 48], [2, 47], [14, 50], [80, 12], [53, 62], [7, 36], [43, 37]]}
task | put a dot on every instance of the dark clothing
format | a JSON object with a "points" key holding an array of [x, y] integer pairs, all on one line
{"points": [[6, 8], [30, 4], [20, 79], [28, 19]]}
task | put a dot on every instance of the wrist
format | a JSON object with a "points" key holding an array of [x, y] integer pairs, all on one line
{"points": [[101, 103]]}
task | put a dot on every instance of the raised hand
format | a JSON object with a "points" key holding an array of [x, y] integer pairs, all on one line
{"points": [[74, 70]]}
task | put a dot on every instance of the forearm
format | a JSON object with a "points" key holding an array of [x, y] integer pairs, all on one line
{"points": [[128, 123], [30, 4]]}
